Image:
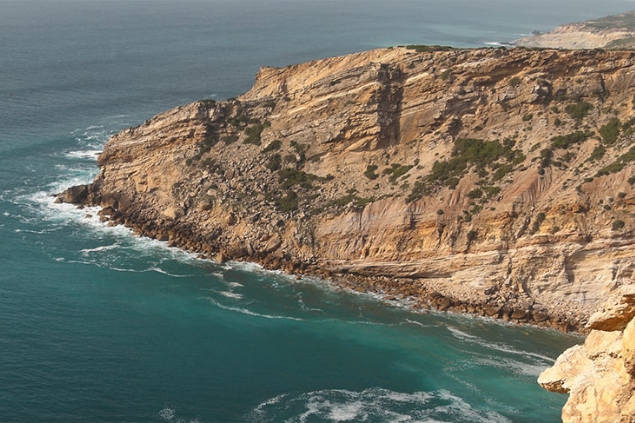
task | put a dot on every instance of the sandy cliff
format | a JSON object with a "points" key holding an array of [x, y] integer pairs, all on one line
{"points": [[495, 181]]}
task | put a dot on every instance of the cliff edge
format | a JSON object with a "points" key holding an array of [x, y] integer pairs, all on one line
{"points": [[600, 375], [492, 181]]}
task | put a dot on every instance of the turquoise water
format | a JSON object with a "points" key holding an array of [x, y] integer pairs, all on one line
{"points": [[97, 325]]}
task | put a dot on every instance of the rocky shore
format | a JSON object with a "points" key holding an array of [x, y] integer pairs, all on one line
{"points": [[497, 182]]}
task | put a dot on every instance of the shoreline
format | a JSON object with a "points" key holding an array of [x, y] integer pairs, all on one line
{"points": [[387, 289]]}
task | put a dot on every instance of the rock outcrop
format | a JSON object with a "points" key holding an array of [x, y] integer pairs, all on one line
{"points": [[600, 375], [492, 181]]}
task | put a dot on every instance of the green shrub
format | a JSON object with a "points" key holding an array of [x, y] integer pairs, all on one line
{"points": [[288, 203], [370, 172], [239, 121], [253, 133], [208, 142], [619, 164], [452, 182], [421, 48], [557, 122], [617, 225], [208, 103], [611, 131], [440, 212], [491, 191], [395, 171], [475, 193], [273, 146], [301, 149], [598, 153], [540, 217], [579, 110], [566, 141], [631, 180], [358, 202], [230, 139], [515, 81], [568, 156], [501, 172], [546, 155], [274, 163], [528, 117], [419, 189], [289, 177]]}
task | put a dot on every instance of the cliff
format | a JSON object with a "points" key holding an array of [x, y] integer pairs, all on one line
{"points": [[610, 32], [496, 181], [600, 375]]}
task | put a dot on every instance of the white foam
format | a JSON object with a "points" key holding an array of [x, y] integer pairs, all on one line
{"points": [[496, 346], [84, 154], [496, 44], [163, 272], [245, 266], [167, 414], [414, 322], [251, 313], [231, 294], [87, 251], [517, 367], [460, 334], [348, 412], [374, 404]]}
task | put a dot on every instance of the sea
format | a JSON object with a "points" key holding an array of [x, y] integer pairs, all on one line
{"points": [[99, 325]]}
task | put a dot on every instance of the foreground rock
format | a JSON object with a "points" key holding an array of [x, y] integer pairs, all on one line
{"points": [[600, 375], [496, 182]]}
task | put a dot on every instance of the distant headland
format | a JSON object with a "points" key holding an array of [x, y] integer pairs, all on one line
{"points": [[615, 32]]}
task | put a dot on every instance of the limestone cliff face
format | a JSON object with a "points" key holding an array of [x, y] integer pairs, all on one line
{"points": [[494, 181], [600, 375]]}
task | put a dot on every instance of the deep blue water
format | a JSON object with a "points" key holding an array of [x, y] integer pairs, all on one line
{"points": [[97, 325]]}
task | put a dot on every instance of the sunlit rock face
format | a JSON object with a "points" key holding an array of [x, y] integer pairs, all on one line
{"points": [[491, 181]]}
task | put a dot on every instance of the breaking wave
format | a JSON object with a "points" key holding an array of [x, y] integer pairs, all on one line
{"points": [[371, 405]]}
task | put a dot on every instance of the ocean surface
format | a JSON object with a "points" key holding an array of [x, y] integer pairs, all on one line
{"points": [[97, 325]]}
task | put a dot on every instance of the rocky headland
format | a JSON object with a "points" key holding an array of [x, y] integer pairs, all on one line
{"points": [[609, 32], [496, 182]]}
